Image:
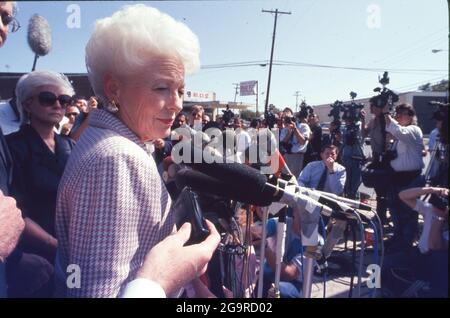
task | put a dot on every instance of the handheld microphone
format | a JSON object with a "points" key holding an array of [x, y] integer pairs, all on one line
{"points": [[39, 37]]}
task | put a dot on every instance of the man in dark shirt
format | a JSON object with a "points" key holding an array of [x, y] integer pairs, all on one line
{"points": [[315, 143]]}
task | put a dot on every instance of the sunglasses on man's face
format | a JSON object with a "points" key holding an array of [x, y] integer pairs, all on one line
{"points": [[49, 99], [10, 21]]}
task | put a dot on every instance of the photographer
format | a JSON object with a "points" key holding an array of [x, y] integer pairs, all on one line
{"points": [[294, 139], [315, 144], [352, 151], [407, 169]]}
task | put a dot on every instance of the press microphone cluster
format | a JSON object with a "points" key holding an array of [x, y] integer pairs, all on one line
{"points": [[245, 184]]}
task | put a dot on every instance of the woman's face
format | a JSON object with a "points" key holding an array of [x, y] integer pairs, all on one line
{"points": [[403, 118], [43, 107], [149, 103]]}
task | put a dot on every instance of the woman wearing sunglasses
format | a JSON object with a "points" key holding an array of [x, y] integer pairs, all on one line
{"points": [[39, 156]]}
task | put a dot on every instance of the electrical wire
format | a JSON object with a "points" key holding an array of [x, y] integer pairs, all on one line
{"points": [[302, 64]]}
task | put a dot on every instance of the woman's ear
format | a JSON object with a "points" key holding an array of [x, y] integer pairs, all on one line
{"points": [[26, 105], [111, 87]]}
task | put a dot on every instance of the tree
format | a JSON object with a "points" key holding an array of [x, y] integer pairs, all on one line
{"points": [[442, 86], [247, 114], [425, 87]]}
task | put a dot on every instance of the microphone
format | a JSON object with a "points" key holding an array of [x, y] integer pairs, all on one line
{"points": [[209, 185], [39, 37], [352, 203], [250, 187], [248, 179]]}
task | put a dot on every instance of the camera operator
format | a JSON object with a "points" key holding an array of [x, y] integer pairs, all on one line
{"points": [[437, 172], [407, 169], [352, 151], [375, 129], [227, 117], [294, 139]]}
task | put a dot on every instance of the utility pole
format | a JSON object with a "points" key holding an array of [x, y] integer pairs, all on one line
{"points": [[236, 87], [266, 106], [257, 92], [297, 94]]}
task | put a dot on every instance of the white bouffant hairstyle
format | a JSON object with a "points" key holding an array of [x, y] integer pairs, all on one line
{"points": [[30, 82], [128, 40]]}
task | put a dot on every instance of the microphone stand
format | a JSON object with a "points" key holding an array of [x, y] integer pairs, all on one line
{"points": [[281, 239], [265, 213], [311, 254], [35, 61]]}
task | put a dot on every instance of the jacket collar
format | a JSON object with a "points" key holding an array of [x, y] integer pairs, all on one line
{"points": [[103, 119]]}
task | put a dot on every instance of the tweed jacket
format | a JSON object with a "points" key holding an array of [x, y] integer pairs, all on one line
{"points": [[112, 208]]}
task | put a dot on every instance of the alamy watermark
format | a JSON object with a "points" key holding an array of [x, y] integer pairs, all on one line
{"points": [[73, 21], [374, 18], [374, 280], [216, 146]]}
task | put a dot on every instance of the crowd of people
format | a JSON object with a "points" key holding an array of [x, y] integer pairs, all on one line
{"points": [[91, 181]]}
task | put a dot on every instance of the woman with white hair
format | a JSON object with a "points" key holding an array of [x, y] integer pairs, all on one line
{"points": [[39, 156], [112, 205]]}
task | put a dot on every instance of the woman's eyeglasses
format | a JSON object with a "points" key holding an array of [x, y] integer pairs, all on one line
{"points": [[11, 22], [49, 99]]}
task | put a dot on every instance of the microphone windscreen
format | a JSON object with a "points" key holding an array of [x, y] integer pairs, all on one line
{"points": [[39, 35], [232, 173], [238, 190]]}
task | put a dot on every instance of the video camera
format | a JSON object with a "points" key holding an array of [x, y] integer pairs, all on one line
{"points": [[336, 109], [270, 117], [352, 111], [386, 96], [442, 113], [228, 116], [305, 110]]}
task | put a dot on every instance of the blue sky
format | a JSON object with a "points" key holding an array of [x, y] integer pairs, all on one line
{"points": [[385, 34]]}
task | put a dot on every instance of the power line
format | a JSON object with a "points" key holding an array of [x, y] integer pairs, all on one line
{"points": [[302, 64]]}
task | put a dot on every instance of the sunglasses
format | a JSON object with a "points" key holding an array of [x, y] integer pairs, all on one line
{"points": [[49, 99], [10, 21]]}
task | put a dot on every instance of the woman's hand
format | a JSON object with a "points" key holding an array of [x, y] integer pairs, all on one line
{"points": [[159, 143]]}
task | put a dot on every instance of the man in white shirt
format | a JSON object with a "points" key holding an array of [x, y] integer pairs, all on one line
{"points": [[243, 140], [294, 137]]}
